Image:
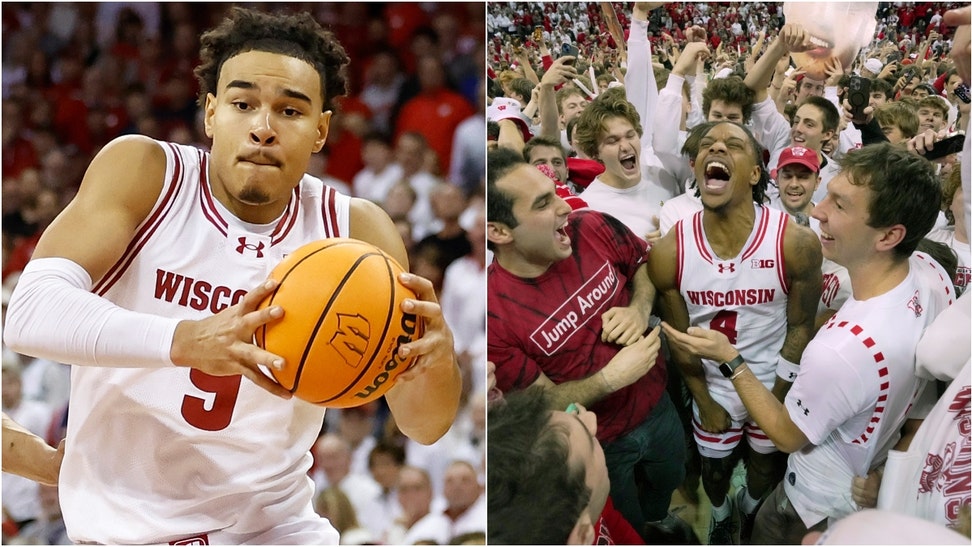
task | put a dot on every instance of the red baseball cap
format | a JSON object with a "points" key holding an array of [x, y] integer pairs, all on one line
{"points": [[799, 155]]}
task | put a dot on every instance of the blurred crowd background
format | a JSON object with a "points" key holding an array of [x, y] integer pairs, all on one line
{"points": [[410, 136]]}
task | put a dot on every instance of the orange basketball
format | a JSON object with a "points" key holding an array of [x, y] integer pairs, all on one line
{"points": [[342, 323]]}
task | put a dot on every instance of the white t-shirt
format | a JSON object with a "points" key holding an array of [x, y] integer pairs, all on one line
{"points": [[856, 383], [634, 206]]}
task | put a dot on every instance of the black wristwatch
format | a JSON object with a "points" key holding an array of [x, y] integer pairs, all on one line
{"points": [[728, 368]]}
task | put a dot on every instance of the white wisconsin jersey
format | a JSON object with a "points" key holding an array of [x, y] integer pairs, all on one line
{"points": [[159, 454], [744, 297]]}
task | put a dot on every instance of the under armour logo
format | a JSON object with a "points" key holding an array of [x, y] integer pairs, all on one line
{"points": [[727, 266], [197, 540], [244, 246], [806, 411], [914, 305]]}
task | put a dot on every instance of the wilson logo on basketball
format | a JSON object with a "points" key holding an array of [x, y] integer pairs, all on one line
{"points": [[350, 341], [394, 360]]}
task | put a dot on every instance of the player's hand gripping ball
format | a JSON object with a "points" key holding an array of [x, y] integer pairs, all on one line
{"points": [[342, 323]]}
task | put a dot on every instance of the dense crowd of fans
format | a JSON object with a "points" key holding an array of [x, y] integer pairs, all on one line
{"points": [[619, 106]]}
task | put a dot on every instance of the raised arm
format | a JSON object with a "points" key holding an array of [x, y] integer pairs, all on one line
{"points": [[792, 38], [640, 86], [561, 71], [425, 398]]}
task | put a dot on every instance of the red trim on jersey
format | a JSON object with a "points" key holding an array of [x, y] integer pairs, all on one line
{"points": [[703, 435], [148, 228], [329, 209], [679, 255], [780, 256], [288, 220], [699, 232], [882, 372], [761, 227], [206, 200], [947, 285], [753, 430]]}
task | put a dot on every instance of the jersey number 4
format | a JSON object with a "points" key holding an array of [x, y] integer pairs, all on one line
{"points": [[224, 391], [725, 322]]}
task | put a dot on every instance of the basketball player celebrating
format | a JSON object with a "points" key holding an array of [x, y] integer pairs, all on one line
{"points": [[166, 441], [748, 271], [857, 378]]}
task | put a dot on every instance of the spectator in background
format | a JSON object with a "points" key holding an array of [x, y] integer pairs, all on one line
{"points": [[464, 303], [435, 112], [465, 509], [468, 160], [380, 171], [332, 456], [898, 121], [412, 154], [383, 82], [450, 241], [333, 504], [357, 426], [21, 501], [414, 491], [384, 465]]}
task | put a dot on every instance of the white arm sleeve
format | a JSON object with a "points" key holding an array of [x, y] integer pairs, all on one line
{"points": [[53, 315]]}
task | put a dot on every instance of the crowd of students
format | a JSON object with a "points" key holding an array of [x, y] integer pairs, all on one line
{"points": [[703, 164], [409, 136]]}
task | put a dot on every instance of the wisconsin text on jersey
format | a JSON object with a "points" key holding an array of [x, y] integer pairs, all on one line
{"points": [[192, 293], [736, 297]]}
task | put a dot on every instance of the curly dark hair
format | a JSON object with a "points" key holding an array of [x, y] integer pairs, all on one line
{"points": [[298, 36], [759, 189]]}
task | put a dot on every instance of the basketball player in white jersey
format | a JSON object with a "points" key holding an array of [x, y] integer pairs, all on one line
{"points": [[857, 379], [148, 283], [748, 271]]}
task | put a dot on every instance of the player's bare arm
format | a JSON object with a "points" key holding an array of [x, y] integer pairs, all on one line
{"points": [[764, 408], [801, 251], [626, 367], [28, 455], [624, 325], [662, 271], [424, 399]]}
